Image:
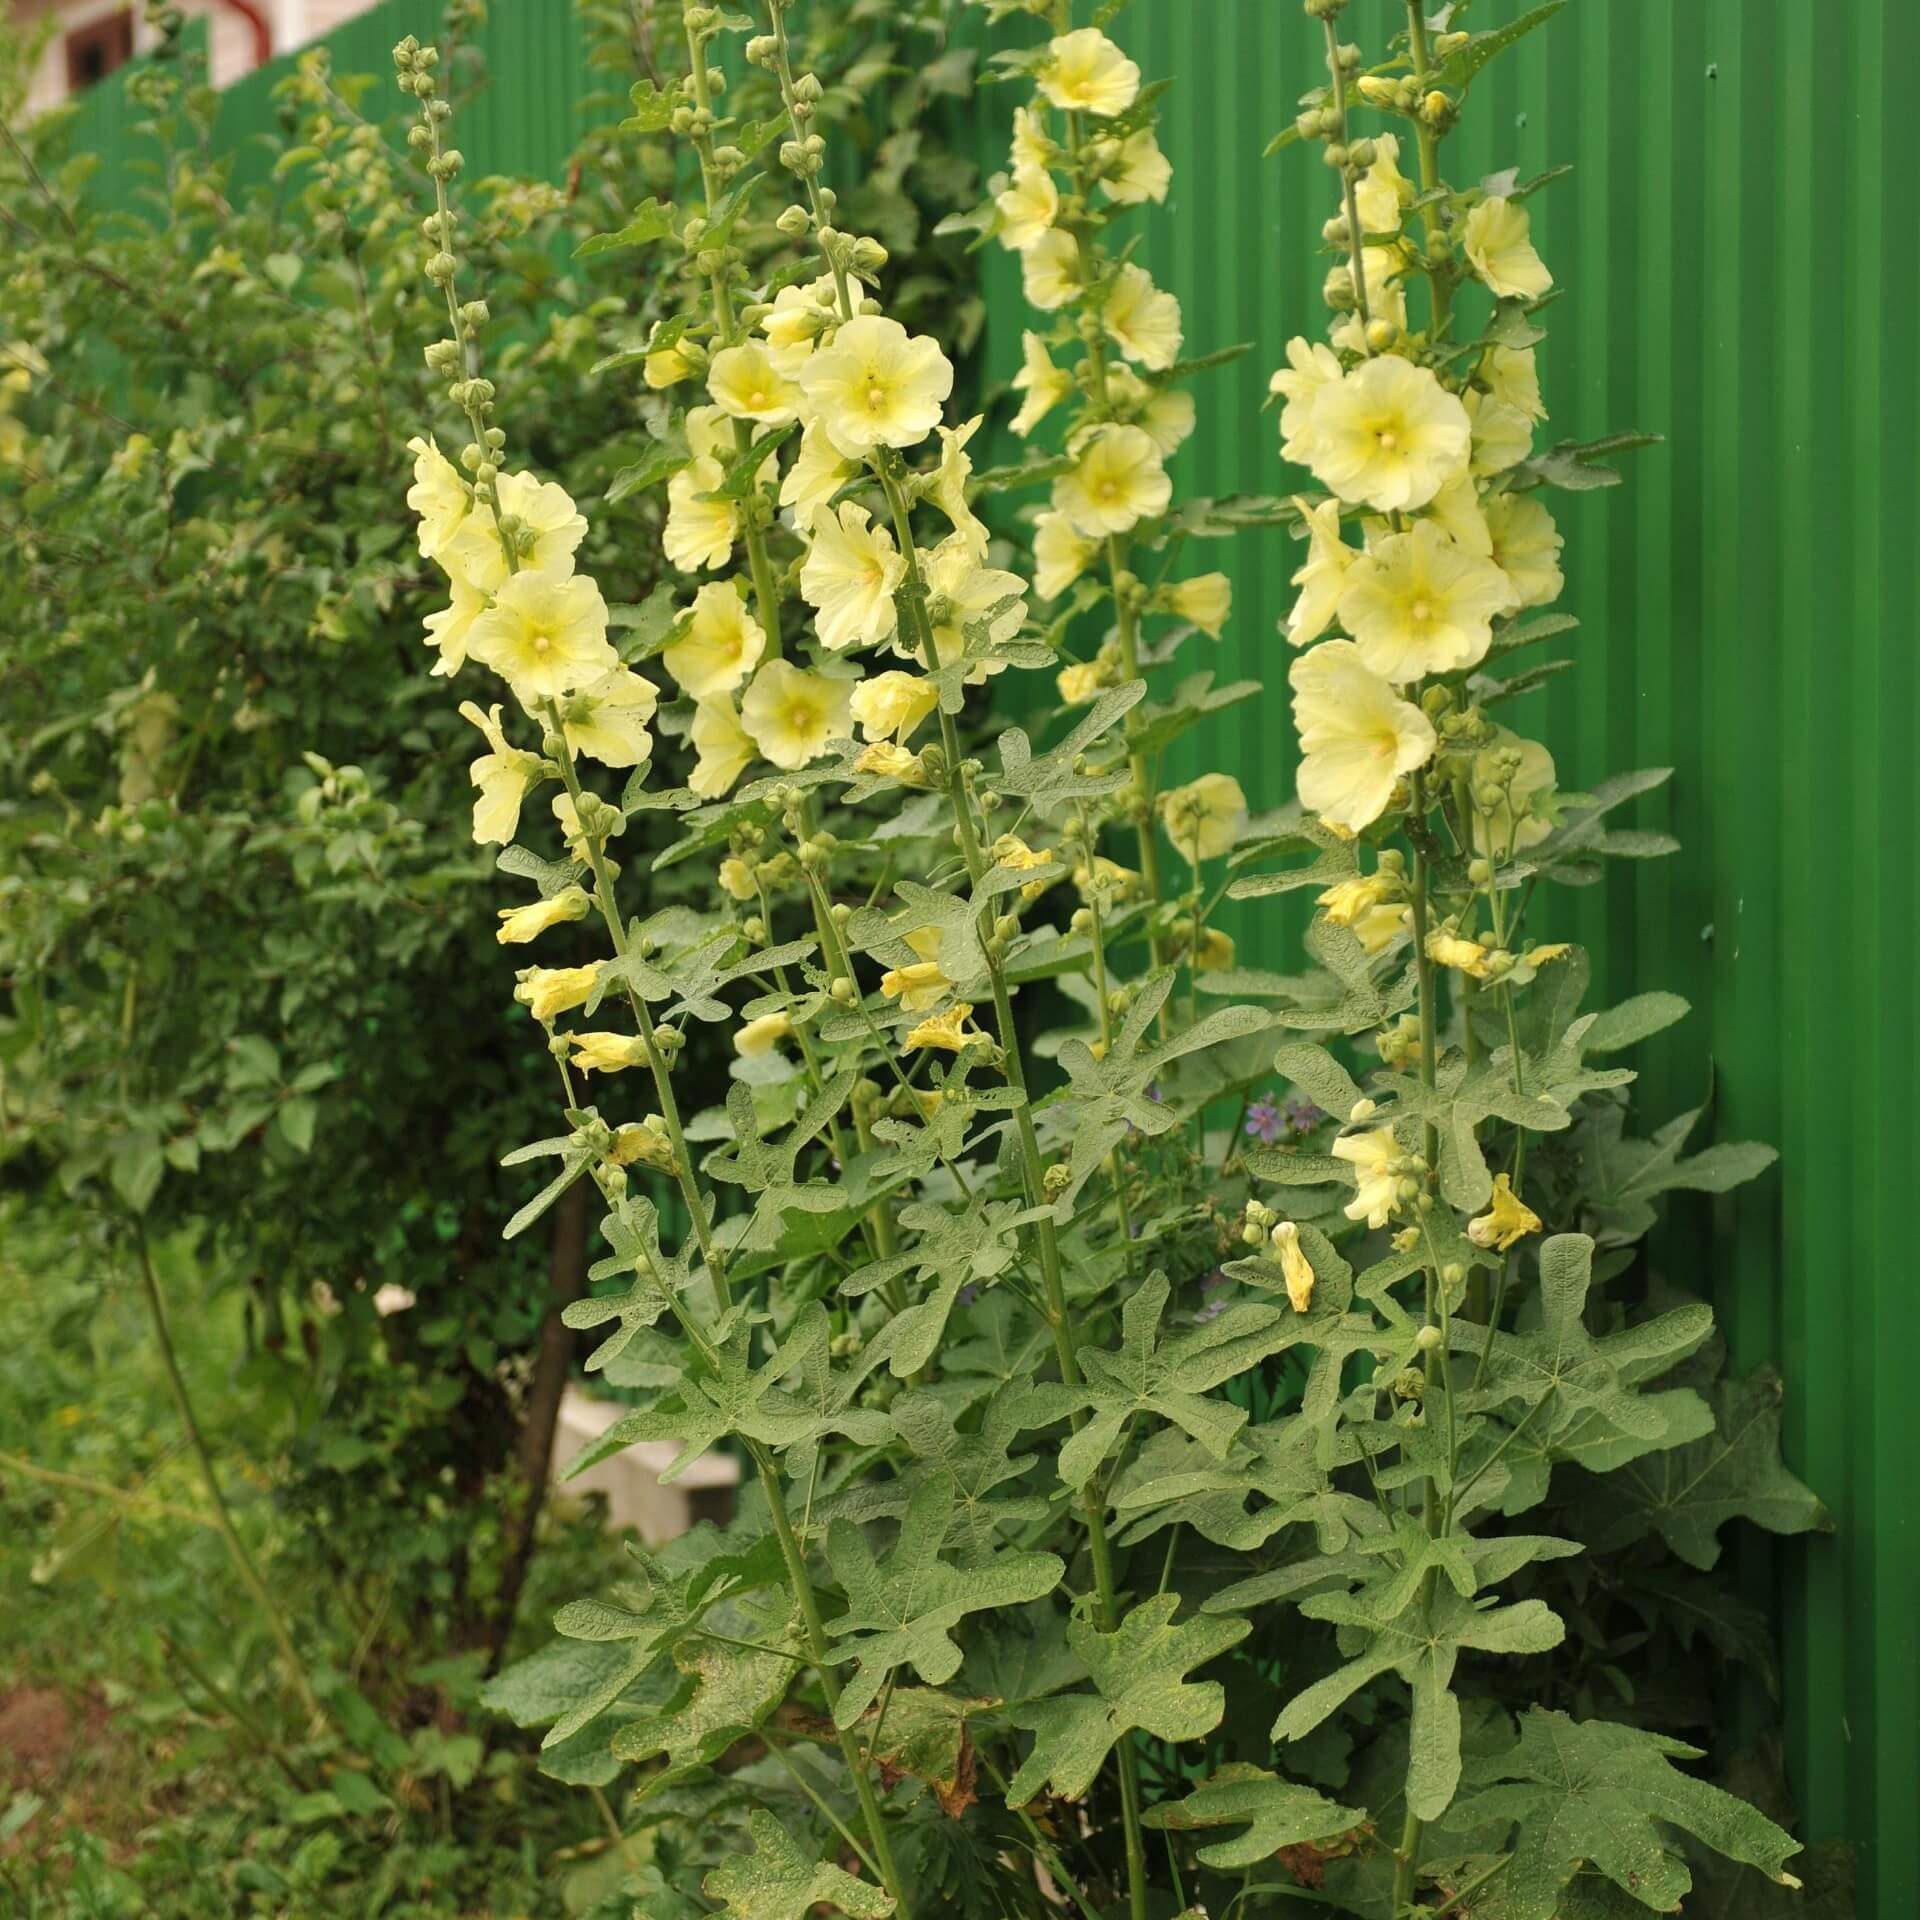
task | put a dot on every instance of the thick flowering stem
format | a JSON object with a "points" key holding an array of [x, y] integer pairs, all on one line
{"points": [[1428, 142], [1349, 188]]}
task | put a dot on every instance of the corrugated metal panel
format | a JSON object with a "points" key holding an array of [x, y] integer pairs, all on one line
{"points": [[1739, 278]]}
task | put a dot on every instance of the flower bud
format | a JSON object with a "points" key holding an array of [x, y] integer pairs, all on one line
{"points": [[793, 222], [1427, 1339], [1362, 1109], [1381, 334], [1377, 90]]}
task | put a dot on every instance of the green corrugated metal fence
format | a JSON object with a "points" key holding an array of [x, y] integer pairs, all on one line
{"points": [[1741, 277]]}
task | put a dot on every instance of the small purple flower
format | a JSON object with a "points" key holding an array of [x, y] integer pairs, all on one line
{"points": [[1301, 1116], [967, 1295], [1215, 1285], [1263, 1120]]}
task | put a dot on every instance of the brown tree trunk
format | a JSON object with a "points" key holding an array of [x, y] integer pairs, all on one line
{"points": [[566, 1282]]}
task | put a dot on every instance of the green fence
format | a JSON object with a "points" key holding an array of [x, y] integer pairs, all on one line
{"points": [[1741, 278]]}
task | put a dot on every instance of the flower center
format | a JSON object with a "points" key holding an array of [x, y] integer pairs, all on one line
{"points": [[876, 397], [542, 643], [1422, 612], [757, 398], [1389, 440]]}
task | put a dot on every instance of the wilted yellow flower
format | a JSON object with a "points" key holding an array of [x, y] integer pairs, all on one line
{"points": [[723, 747], [791, 714], [1312, 372], [1214, 953], [1206, 600], [1044, 384], [647, 1144], [818, 472], [1526, 547], [1418, 604], [877, 385], [438, 495], [1499, 832], [604, 1052], [699, 532], [762, 1035], [1507, 1220], [1142, 172], [1050, 270], [1323, 576], [1357, 736], [544, 635], [1106, 877], [1390, 436], [1142, 320], [518, 925], [547, 992], [449, 629], [1383, 191], [1028, 207], [1383, 269], [666, 367], [1375, 1158], [745, 383], [965, 595], [893, 705], [1118, 481], [795, 320], [886, 761], [1513, 379], [607, 719], [1061, 554], [1087, 73], [945, 1032], [736, 879], [1203, 819], [923, 983], [1295, 1267], [1011, 851], [1463, 956], [849, 578], [1498, 241], [722, 645], [1502, 435], [1370, 908], [1082, 681], [503, 777]]}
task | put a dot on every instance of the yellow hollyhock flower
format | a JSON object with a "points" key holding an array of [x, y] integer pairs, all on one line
{"points": [[947, 488], [1295, 1268], [790, 714], [1203, 819], [886, 761], [724, 749], [1164, 414], [1312, 372], [1141, 319], [1357, 736], [1383, 192], [892, 705], [448, 630], [1510, 824], [1417, 603], [795, 321], [1382, 268], [922, 983], [1376, 1160], [518, 925], [818, 472], [1087, 73], [1206, 600], [1502, 435], [1507, 1220], [503, 777], [722, 645], [1044, 384], [1107, 877], [1084, 680], [1457, 511], [605, 1052], [537, 517], [548, 992], [1050, 271], [849, 578], [1011, 851], [877, 385], [1031, 145], [438, 495], [1118, 481], [699, 533], [1389, 436], [607, 719], [647, 1144], [762, 1036], [1061, 554], [746, 384], [666, 367], [1513, 378], [1140, 173], [1463, 956], [1215, 953], [1323, 576], [736, 879], [1370, 908], [966, 596], [545, 635], [1028, 208], [1498, 241], [944, 1032], [1525, 547]]}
